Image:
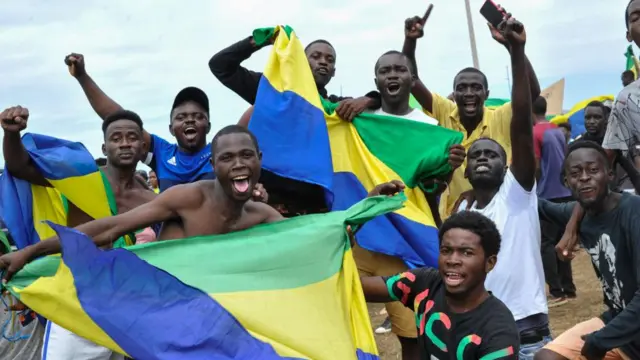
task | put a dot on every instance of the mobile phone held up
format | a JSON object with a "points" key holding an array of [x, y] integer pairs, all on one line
{"points": [[493, 13]]}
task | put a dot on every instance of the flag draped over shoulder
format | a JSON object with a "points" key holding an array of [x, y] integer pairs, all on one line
{"points": [[303, 139], [575, 116], [74, 177], [286, 289]]}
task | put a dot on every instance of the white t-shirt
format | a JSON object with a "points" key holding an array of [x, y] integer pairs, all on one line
{"points": [[518, 278], [415, 115]]}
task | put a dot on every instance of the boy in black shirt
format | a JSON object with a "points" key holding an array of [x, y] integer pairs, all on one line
{"points": [[456, 317], [609, 232]]}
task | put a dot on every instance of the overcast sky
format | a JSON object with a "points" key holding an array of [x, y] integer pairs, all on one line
{"points": [[142, 52]]}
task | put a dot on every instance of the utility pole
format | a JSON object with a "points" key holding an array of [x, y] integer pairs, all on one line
{"points": [[472, 36]]}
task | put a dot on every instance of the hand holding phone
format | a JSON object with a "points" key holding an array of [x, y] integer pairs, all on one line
{"points": [[494, 13]]}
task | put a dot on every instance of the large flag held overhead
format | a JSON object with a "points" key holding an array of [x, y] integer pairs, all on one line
{"points": [[74, 177], [303, 139], [575, 116], [286, 289]]}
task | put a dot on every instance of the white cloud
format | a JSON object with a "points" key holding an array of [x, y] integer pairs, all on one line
{"points": [[142, 52]]}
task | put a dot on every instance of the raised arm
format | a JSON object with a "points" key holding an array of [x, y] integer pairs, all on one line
{"points": [[225, 66], [105, 231], [102, 104], [523, 162], [16, 158], [413, 30], [534, 85]]}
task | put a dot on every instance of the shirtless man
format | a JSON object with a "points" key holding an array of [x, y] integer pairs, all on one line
{"points": [[205, 207], [123, 144]]}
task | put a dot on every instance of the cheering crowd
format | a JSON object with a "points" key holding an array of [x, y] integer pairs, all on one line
{"points": [[520, 199]]}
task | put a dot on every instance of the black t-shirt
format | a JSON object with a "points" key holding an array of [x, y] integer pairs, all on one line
{"points": [[612, 239], [488, 331]]}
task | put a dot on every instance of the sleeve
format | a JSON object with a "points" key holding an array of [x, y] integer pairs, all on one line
{"points": [[225, 66], [625, 327], [515, 195], [442, 109], [405, 286], [556, 213], [623, 127], [537, 141], [502, 340], [158, 149]]}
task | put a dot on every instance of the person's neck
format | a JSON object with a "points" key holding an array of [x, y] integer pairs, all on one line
{"points": [[399, 108], [607, 204], [540, 119], [484, 196], [471, 123], [468, 301], [191, 150], [228, 208], [322, 90], [597, 135], [121, 177]]}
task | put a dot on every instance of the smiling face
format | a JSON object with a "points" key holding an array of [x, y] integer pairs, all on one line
{"points": [[236, 163], [486, 164], [462, 262], [393, 78], [587, 174], [470, 93], [322, 60], [190, 126], [594, 120], [123, 143]]}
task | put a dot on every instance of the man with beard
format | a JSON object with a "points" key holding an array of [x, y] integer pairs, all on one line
{"points": [[454, 313], [123, 145], [609, 232], [466, 113], [394, 79], [506, 194], [184, 162]]}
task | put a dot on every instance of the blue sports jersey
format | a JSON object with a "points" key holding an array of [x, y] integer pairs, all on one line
{"points": [[174, 167]]}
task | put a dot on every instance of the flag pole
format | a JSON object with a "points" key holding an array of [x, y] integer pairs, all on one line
{"points": [[472, 36]]}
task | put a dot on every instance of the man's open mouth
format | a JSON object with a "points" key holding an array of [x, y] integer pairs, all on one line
{"points": [[393, 88], [190, 133], [240, 183]]}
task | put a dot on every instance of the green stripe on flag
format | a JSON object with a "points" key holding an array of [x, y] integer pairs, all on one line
{"points": [[413, 150], [260, 258]]}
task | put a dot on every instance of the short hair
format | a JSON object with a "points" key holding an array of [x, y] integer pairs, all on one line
{"points": [[100, 162], [319, 41], [540, 106], [503, 152], [565, 125], [143, 174], [628, 73], [121, 115], [596, 103], [485, 82], [626, 14], [395, 52], [478, 224], [232, 129], [585, 144]]}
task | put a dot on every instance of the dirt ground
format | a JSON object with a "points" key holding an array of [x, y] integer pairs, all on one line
{"points": [[587, 305]]}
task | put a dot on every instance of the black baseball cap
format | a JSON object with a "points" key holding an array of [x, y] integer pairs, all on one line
{"points": [[191, 94]]}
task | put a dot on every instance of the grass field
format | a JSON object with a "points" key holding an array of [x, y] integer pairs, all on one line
{"points": [[587, 305]]}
